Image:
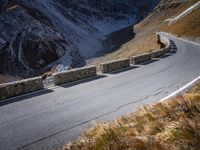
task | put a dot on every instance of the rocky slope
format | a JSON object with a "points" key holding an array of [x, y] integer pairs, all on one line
{"points": [[37, 35]]}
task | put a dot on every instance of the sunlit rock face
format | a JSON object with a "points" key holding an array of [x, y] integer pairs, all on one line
{"points": [[37, 35]]}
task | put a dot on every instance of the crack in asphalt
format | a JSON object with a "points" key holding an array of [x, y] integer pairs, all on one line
{"points": [[160, 90], [82, 123], [100, 116], [99, 93], [156, 93]]}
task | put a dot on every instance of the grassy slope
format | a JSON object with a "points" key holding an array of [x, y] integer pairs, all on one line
{"points": [[190, 28], [173, 124], [145, 40]]}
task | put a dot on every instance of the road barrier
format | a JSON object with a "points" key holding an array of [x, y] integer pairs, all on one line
{"points": [[163, 40], [168, 48], [34, 84], [74, 75], [17, 88], [166, 42], [158, 53], [114, 65], [141, 58]]}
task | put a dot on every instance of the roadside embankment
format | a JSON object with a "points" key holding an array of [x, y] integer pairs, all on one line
{"points": [[171, 124]]}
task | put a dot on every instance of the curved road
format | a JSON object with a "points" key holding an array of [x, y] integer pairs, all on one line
{"points": [[48, 119]]}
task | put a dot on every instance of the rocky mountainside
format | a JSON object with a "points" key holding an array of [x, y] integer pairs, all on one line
{"points": [[37, 35]]}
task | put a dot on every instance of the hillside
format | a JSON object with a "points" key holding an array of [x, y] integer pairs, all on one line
{"points": [[145, 38], [38, 35], [187, 27]]}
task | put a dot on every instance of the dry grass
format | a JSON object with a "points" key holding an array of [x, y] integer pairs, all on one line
{"points": [[145, 40], [189, 26], [173, 124]]}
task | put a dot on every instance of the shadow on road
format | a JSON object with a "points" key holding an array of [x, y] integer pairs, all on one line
{"points": [[67, 85], [166, 55], [25, 97], [173, 47], [149, 62], [123, 70]]}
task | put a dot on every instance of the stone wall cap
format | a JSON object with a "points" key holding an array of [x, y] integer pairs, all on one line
{"points": [[163, 49], [75, 69], [20, 81], [113, 61]]}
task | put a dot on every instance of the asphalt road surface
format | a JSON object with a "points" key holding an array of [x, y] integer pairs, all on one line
{"points": [[50, 118]]}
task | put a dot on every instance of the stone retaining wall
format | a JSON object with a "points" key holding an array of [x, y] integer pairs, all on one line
{"points": [[166, 42], [158, 53], [20, 87], [141, 58], [34, 84], [114, 65], [74, 75]]}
